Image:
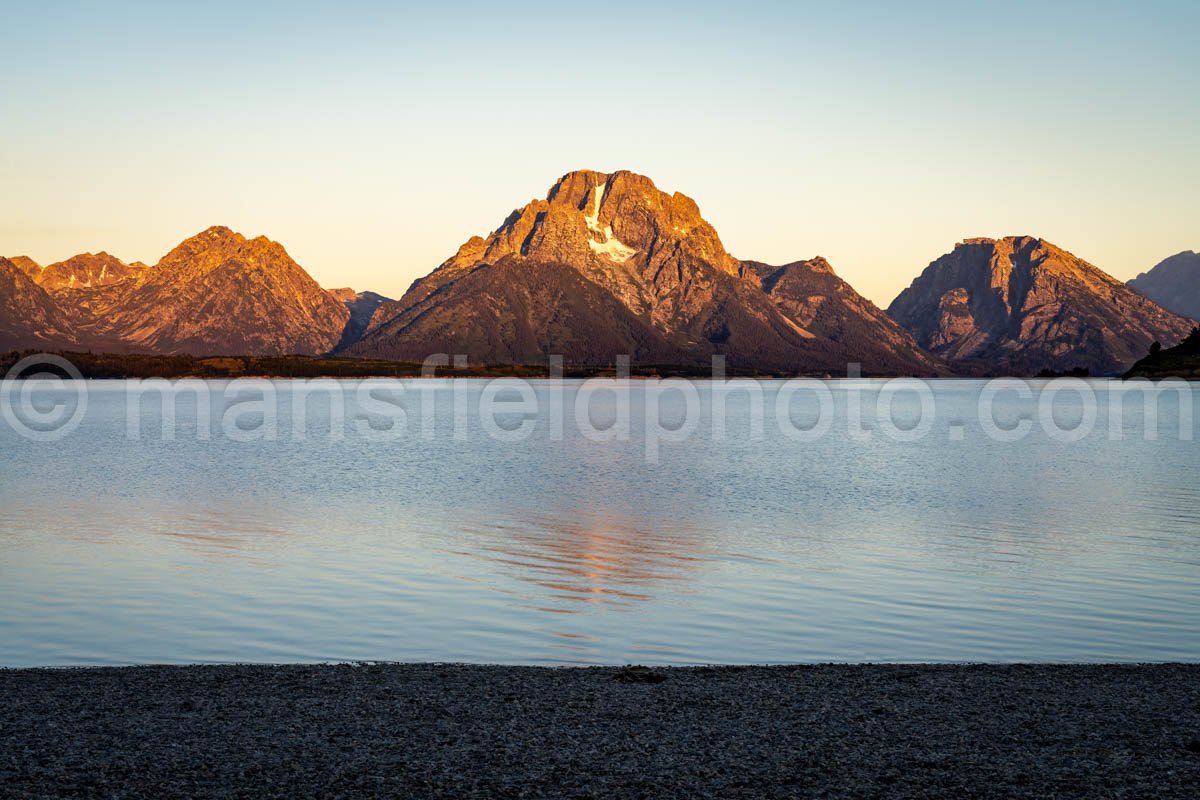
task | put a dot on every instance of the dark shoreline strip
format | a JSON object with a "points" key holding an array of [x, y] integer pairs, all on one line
{"points": [[428, 730]]}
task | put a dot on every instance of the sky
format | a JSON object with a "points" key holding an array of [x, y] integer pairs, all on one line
{"points": [[371, 139]]}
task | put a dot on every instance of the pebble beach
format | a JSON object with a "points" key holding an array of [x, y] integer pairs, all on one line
{"points": [[434, 730]]}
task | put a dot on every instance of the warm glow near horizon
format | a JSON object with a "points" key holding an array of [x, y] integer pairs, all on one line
{"points": [[372, 141]]}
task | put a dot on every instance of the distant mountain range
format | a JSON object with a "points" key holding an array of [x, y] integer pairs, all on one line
{"points": [[608, 265]]}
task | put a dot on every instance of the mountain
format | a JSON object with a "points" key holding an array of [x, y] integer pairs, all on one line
{"points": [[812, 295], [1019, 305], [362, 307], [82, 281], [609, 265], [1173, 283], [27, 265], [217, 293], [29, 317], [87, 271]]}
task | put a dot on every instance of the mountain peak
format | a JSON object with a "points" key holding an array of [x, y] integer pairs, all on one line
{"points": [[219, 243], [819, 264], [221, 293], [1021, 304], [214, 293], [599, 222], [1013, 240], [1174, 283], [573, 187], [1021, 241], [1182, 263], [218, 232], [86, 271], [608, 264], [26, 265]]}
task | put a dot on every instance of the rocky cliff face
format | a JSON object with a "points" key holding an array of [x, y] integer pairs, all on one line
{"points": [[1174, 283], [87, 271], [27, 265], [1020, 305], [82, 281], [29, 317], [609, 265], [219, 293]]}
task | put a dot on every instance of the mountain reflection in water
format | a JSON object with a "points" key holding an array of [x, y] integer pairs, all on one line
{"points": [[588, 556]]}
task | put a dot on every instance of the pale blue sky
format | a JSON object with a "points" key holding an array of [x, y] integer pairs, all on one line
{"points": [[372, 139]]}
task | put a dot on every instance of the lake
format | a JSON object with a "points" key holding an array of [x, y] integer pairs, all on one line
{"points": [[448, 536]]}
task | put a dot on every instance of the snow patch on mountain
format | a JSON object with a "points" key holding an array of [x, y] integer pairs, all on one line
{"points": [[609, 246]]}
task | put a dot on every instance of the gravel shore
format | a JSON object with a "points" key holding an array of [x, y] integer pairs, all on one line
{"points": [[430, 730]]}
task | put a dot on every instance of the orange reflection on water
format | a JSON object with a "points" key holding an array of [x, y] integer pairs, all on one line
{"points": [[584, 556]]}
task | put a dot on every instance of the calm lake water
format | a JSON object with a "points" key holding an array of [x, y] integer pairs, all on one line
{"points": [[450, 544]]}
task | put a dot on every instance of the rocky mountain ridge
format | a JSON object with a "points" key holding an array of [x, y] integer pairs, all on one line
{"points": [[1019, 305], [29, 317], [1173, 283], [87, 271], [608, 265], [215, 293], [27, 265], [605, 265]]}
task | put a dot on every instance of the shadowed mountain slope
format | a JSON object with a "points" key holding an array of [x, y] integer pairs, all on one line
{"points": [[1173, 283], [362, 306]]}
